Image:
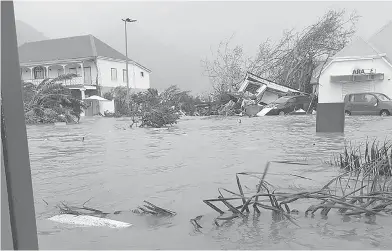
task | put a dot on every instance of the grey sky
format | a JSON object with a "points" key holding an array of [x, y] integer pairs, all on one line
{"points": [[172, 37]]}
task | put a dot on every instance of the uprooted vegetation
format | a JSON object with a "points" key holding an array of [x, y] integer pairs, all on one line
{"points": [[364, 191], [51, 101], [147, 209], [374, 156]]}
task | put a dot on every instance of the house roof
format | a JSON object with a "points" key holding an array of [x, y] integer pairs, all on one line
{"points": [[317, 71], [69, 48], [382, 40], [379, 43], [259, 80], [358, 48]]}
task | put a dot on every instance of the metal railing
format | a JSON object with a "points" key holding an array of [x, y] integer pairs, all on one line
{"points": [[68, 82]]}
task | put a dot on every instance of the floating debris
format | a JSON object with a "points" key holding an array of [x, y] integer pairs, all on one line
{"points": [[195, 222], [89, 221], [152, 209], [363, 191]]}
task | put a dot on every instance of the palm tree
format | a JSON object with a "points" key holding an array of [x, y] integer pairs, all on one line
{"points": [[51, 101]]}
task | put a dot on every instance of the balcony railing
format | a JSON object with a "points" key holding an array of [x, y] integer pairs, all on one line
{"points": [[69, 82]]}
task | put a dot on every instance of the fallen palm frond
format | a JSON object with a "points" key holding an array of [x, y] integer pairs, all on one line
{"points": [[360, 191], [195, 222], [66, 209], [152, 209], [148, 208]]}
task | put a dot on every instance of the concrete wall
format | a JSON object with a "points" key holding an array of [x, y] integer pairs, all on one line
{"points": [[136, 80], [106, 106], [333, 92]]}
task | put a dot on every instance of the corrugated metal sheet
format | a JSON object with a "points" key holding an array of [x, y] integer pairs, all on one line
{"points": [[355, 87]]}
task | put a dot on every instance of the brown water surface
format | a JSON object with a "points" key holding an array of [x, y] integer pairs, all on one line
{"points": [[180, 167]]}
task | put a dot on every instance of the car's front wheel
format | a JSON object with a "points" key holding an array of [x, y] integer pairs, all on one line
{"points": [[384, 113], [347, 113]]}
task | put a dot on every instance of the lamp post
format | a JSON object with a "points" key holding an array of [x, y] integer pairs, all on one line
{"points": [[127, 20]]}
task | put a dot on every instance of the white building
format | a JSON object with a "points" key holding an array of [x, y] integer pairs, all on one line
{"points": [[362, 66], [96, 64]]}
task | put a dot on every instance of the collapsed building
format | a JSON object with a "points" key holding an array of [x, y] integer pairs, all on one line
{"points": [[264, 91]]}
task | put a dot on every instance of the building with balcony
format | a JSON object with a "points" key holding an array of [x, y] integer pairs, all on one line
{"points": [[98, 67]]}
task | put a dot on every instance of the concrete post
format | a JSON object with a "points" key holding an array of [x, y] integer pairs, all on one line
{"points": [[82, 91], [16, 164], [81, 66], [330, 108], [31, 73], [46, 71], [330, 117], [63, 65]]}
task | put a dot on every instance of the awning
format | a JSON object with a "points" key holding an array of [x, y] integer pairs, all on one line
{"points": [[357, 77], [95, 97]]}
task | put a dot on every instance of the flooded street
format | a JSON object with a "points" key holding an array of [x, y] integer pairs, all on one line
{"points": [[176, 169]]}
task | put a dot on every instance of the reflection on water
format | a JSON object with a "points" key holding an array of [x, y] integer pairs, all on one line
{"points": [[178, 168]]}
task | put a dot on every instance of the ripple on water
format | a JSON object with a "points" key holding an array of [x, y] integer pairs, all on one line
{"points": [[179, 167]]}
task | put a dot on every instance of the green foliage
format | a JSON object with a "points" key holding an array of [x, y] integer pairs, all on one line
{"points": [[154, 109], [50, 102], [108, 96]]}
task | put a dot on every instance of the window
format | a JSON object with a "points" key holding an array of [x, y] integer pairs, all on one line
{"points": [[142, 74], [39, 72], [73, 71], [125, 76], [114, 74], [358, 98], [383, 97], [370, 98], [282, 100]]}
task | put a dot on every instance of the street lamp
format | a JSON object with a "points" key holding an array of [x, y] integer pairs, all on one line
{"points": [[127, 20]]}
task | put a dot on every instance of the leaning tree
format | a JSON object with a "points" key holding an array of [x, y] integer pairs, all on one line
{"points": [[291, 61], [51, 101]]}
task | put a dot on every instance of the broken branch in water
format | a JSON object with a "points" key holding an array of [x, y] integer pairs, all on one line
{"points": [[149, 208], [379, 197]]}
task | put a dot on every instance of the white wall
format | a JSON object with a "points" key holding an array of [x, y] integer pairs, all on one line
{"points": [[105, 66], [106, 106], [333, 92], [26, 73]]}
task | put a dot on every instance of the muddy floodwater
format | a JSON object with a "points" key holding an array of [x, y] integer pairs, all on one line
{"points": [[176, 169]]}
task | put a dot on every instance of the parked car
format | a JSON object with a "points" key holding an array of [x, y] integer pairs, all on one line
{"points": [[367, 103], [289, 104]]}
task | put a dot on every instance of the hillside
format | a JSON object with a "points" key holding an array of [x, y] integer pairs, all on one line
{"points": [[26, 33]]}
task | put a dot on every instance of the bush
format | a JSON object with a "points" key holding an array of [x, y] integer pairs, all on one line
{"points": [[51, 102]]}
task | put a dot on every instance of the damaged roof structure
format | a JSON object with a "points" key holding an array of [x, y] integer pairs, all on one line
{"points": [[265, 90]]}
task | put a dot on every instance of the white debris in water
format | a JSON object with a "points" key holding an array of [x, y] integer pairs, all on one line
{"points": [[264, 111], [88, 221], [300, 110]]}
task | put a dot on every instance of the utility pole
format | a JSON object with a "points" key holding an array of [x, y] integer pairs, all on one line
{"points": [[127, 20]]}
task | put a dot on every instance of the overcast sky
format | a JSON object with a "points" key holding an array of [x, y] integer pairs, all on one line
{"points": [[177, 35]]}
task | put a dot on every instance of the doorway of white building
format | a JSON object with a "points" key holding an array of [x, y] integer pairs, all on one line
{"points": [[87, 75]]}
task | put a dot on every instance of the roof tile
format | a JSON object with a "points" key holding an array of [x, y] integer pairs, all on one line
{"points": [[68, 48]]}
